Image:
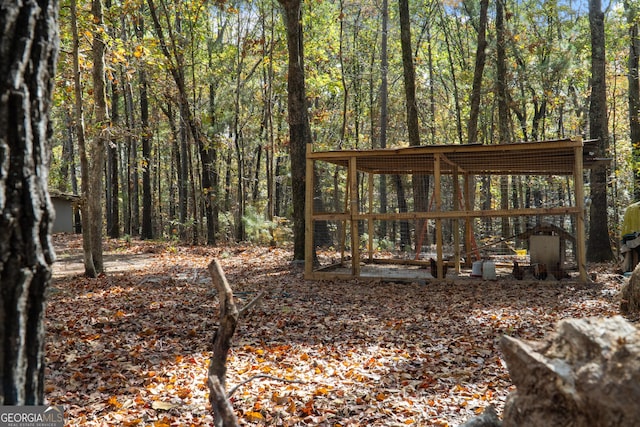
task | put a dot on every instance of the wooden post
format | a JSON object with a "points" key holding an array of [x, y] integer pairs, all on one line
{"points": [[308, 212], [343, 233], [437, 194], [353, 212], [468, 226], [370, 220], [578, 186], [456, 222]]}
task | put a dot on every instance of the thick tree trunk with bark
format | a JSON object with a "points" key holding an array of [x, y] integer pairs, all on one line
{"points": [[598, 246], [631, 8], [99, 142], [420, 183], [28, 53], [299, 129]]}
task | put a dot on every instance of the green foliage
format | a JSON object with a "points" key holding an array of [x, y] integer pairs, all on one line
{"points": [[258, 229], [234, 68]]}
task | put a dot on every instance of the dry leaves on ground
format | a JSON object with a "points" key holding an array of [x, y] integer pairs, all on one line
{"points": [[131, 348]]}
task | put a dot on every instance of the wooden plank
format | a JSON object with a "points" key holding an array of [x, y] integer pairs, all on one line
{"points": [[437, 194], [456, 221], [370, 230], [578, 185], [465, 214], [308, 211], [355, 236]]}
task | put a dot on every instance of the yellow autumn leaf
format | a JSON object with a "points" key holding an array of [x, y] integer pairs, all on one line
{"points": [[254, 416], [162, 423], [113, 401], [321, 391]]}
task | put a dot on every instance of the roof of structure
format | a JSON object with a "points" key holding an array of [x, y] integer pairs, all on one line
{"points": [[556, 157]]}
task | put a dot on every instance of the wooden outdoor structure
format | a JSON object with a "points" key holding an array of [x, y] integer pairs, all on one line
{"points": [[565, 157]]}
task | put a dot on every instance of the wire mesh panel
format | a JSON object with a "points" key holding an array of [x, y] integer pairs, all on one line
{"points": [[431, 211]]}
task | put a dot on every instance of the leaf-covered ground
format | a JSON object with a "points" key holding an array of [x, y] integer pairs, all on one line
{"points": [[132, 347]]}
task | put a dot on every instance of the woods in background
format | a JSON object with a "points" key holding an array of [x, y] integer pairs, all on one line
{"points": [[196, 118]]}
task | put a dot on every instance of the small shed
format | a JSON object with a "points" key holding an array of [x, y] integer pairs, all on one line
{"points": [[357, 210], [65, 207]]}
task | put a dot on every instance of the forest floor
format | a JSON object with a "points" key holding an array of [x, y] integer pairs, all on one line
{"points": [[132, 346]]}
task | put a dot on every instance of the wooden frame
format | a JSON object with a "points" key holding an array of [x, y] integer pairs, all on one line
{"points": [[565, 157]]}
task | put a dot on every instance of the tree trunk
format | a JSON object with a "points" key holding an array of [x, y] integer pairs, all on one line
{"points": [[634, 91], [99, 141], [132, 219], [503, 108], [147, 202], [420, 182], [454, 82], [481, 57], [112, 186], [384, 109], [598, 245], [299, 129], [113, 205], [28, 54], [405, 236], [210, 178], [89, 267]]}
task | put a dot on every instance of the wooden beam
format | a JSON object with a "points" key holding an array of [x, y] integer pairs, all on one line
{"points": [[370, 230], [456, 221], [578, 185], [308, 216], [353, 209], [463, 214], [437, 194]]}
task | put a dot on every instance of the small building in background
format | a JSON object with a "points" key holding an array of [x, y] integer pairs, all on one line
{"points": [[66, 207]]}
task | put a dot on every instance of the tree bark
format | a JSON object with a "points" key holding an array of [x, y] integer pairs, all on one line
{"points": [[299, 129], [28, 54], [504, 135], [113, 204], [147, 201], [420, 183], [89, 267], [634, 90], [384, 108], [99, 141], [598, 245], [481, 57], [113, 185]]}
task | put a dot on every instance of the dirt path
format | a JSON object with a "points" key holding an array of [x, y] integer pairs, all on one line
{"points": [[69, 258]]}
